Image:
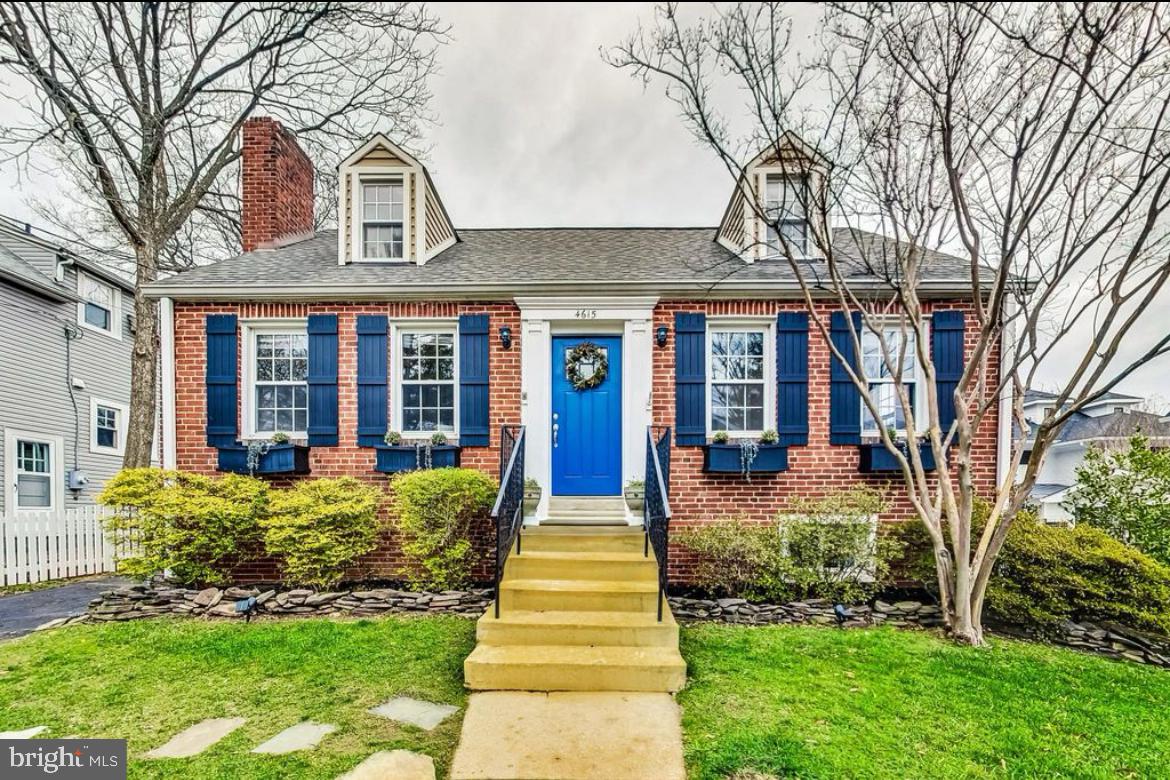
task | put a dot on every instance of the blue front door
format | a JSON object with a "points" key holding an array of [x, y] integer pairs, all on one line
{"points": [[587, 424]]}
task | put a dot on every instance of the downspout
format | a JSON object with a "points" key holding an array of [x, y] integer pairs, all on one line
{"points": [[166, 314], [1003, 450], [73, 333]]}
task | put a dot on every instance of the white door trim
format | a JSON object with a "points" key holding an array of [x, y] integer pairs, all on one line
{"points": [[57, 456]]}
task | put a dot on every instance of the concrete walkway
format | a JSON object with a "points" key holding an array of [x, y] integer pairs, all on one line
{"points": [[558, 736], [20, 613]]}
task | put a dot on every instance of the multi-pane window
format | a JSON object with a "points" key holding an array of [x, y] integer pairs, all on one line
{"points": [[382, 223], [281, 387], [880, 374], [99, 302], [737, 380], [427, 381], [784, 207], [34, 474], [106, 422]]}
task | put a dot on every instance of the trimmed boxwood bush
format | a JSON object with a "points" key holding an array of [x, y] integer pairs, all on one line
{"points": [[319, 528], [434, 509], [198, 527]]}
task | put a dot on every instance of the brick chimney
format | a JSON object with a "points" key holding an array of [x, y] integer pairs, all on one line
{"points": [[276, 184]]}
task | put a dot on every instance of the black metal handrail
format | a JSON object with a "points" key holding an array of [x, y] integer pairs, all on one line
{"points": [[508, 511], [656, 507]]}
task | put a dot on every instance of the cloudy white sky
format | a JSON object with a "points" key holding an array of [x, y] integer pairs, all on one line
{"points": [[533, 129]]}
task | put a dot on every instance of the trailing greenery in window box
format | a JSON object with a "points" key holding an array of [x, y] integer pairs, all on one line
{"points": [[264, 457], [414, 457], [876, 459], [746, 457]]}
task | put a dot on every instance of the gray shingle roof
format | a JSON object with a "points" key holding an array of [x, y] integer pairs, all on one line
{"points": [[515, 260], [1117, 425], [20, 272]]}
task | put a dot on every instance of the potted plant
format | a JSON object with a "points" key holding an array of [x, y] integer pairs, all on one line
{"points": [[745, 456], [398, 454], [280, 437], [532, 493], [635, 493]]}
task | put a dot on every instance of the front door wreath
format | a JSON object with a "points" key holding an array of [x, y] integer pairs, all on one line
{"points": [[586, 366]]}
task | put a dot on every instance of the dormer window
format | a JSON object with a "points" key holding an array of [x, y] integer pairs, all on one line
{"points": [[382, 220], [784, 207]]}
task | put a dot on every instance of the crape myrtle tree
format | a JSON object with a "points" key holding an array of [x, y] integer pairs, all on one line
{"points": [[139, 107], [1022, 149]]}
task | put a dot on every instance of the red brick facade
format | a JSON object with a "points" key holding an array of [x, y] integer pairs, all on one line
{"points": [[695, 497], [276, 177]]}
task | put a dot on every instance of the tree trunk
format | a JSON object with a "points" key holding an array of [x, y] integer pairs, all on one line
{"points": [[143, 367]]}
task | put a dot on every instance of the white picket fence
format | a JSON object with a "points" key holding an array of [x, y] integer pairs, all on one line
{"points": [[53, 545]]}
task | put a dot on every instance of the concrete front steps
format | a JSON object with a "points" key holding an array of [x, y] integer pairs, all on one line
{"points": [[578, 612], [587, 511]]}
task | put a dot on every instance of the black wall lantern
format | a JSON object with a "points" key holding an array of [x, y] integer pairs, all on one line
{"points": [[506, 337], [661, 334]]}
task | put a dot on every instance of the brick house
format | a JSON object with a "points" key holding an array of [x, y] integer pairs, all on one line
{"points": [[400, 321]]}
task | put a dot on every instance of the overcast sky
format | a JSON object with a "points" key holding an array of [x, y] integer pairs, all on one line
{"points": [[535, 130]]}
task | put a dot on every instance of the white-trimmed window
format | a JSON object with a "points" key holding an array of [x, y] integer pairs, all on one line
{"points": [[739, 378], [900, 341], [100, 307], [276, 365], [426, 381], [34, 469], [785, 198], [107, 422], [383, 227]]}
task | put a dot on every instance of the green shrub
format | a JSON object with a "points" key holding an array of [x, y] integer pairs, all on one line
{"points": [[1047, 574], [197, 527], [818, 548], [737, 559], [320, 527], [433, 510]]}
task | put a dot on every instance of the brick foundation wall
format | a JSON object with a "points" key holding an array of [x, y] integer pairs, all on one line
{"points": [[346, 459], [813, 470]]}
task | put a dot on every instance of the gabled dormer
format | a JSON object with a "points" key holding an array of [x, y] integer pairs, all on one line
{"points": [[778, 204], [388, 210]]}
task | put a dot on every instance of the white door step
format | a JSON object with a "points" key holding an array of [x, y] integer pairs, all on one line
{"points": [[612, 629], [587, 503], [569, 668]]}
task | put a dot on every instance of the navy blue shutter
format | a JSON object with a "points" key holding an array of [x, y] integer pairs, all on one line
{"points": [[792, 377], [690, 379], [322, 331], [946, 352], [474, 398], [844, 399], [222, 347], [371, 379]]}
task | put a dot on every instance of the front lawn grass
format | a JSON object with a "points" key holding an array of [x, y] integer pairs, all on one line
{"points": [[823, 703], [148, 680]]}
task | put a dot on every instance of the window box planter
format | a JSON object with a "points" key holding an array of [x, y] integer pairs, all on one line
{"points": [[876, 459], [278, 459], [727, 459], [407, 457]]}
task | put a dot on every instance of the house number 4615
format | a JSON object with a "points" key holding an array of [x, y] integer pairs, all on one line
{"points": [[586, 314]]}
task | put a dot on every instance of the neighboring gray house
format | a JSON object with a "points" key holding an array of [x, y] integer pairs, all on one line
{"points": [[1107, 423], [65, 342]]}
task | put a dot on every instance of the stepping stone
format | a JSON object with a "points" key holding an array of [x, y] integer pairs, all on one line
{"points": [[26, 734], [197, 738], [393, 765], [424, 714], [303, 736]]}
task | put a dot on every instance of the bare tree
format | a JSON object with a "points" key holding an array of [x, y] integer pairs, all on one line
{"points": [[1029, 141], [140, 105]]}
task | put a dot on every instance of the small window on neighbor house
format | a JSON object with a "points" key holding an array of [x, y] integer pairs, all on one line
{"points": [[784, 207], [426, 371], [34, 474], [107, 427], [882, 380], [382, 220], [738, 380], [99, 303], [281, 389]]}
